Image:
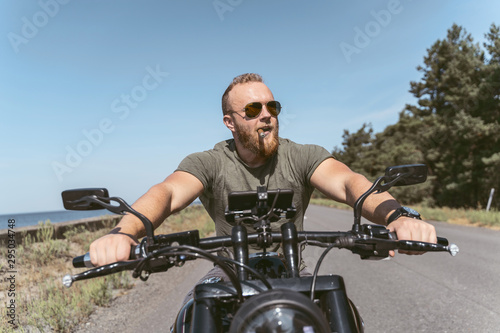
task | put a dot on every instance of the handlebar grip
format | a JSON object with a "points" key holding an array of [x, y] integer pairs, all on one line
{"points": [[443, 241], [84, 260]]}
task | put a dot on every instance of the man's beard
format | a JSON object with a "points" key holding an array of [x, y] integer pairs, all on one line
{"points": [[251, 141]]}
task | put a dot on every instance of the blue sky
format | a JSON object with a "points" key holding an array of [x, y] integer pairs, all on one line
{"points": [[115, 93]]}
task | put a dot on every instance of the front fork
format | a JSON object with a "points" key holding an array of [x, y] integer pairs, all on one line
{"points": [[341, 313]]}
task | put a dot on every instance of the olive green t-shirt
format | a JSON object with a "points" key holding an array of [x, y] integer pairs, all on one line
{"points": [[221, 171]]}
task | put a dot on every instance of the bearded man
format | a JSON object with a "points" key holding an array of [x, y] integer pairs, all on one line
{"points": [[255, 156]]}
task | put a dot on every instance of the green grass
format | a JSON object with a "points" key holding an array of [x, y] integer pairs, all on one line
{"points": [[463, 216], [43, 303]]}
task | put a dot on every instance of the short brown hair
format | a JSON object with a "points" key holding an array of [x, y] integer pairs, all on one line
{"points": [[243, 78]]}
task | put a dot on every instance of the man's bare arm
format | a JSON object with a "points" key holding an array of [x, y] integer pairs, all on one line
{"points": [[337, 181], [172, 195]]}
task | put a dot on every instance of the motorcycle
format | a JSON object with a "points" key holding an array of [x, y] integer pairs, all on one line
{"points": [[264, 291]]}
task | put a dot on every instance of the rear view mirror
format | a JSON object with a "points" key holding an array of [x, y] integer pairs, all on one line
{"points": [[408, 174], [72, 198]]}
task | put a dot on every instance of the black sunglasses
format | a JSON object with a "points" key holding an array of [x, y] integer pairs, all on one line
{"points": [[253, 109]]}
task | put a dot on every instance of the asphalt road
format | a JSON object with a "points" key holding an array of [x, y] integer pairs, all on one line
{"points": [[433, 292]]}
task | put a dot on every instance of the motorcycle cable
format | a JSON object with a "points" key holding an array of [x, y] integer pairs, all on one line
{"points": [[220, 249], [251, 270], [173, 251], [170, 251], [316, 269], [307, 242], [221, 262]]}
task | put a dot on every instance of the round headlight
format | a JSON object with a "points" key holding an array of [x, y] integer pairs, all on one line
{"points": [[279, 311]]}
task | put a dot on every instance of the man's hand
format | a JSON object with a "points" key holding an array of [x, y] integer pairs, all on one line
{"points": [[111, 248], [412, 229]]}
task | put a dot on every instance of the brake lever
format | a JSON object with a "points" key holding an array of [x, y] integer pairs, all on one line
{"points": [[442, 243], [100, 271], [375, 242], [426, 247]]}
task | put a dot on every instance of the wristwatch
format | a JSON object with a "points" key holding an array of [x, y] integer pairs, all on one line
{"points": [[403, 211]]}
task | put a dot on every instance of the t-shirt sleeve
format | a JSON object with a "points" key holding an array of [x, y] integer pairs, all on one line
{"points": [[200, 165], [313, 156]]}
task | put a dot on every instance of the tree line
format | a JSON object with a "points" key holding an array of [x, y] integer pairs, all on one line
{"points": [[454, 128]]}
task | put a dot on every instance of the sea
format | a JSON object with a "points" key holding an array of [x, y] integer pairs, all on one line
{"points": [[30, 219]]}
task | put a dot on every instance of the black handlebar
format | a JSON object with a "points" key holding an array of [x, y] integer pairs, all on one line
{"points": [[367, 246], [303, 236]]}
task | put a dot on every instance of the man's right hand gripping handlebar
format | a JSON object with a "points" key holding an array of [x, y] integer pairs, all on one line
{"points": [[111, 248]]}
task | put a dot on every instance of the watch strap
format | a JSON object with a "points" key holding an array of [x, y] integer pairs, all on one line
{"points": [[403, 211]]}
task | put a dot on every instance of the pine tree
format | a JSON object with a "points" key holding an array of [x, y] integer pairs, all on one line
{"points": [[458, 131], [454, 128]]}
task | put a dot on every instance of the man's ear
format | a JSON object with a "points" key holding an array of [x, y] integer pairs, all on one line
{"points": [[229, 122]]}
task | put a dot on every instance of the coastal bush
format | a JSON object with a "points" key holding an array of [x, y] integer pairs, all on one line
{"points": [[42, 248]]}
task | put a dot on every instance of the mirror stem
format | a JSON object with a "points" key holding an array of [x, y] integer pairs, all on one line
{"points": [[358, 205], [377, 186]]}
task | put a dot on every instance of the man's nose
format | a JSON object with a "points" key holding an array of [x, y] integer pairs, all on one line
{"points": [[265, 112]]}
